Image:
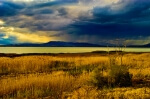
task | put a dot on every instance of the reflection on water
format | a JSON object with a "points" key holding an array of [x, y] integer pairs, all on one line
{"points": [[20, 50]]}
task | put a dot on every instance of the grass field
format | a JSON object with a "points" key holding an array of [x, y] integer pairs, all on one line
{"points": [[75, 76]]}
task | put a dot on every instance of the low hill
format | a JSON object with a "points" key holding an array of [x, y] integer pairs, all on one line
{"points": [[55, 44]]}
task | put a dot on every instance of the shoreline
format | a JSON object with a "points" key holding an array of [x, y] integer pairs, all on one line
{"points": [[93, 53]]}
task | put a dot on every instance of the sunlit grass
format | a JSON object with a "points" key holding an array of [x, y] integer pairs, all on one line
{"points": [[32, 64], [56, 77], [40, 85], [88, 92]]}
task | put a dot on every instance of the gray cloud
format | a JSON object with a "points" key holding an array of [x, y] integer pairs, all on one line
{"points": [[131, 20], [9, 9], [79, 20]]}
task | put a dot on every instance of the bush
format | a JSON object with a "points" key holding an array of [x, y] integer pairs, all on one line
{"points": [[119, 76], [97, 79]]}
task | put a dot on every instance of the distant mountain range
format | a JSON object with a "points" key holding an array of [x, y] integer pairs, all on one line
{"points": [[54, 44], [146, 45], [65, 44]]}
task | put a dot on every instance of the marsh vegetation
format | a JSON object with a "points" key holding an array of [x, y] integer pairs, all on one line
{"points": [[76, 76]]}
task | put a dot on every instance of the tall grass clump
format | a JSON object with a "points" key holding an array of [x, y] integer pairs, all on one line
{"points": [[98, 79], [37, 86], [119, 76]]}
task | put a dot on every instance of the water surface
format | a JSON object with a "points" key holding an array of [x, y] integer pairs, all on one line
{"points": [[20, 50]]}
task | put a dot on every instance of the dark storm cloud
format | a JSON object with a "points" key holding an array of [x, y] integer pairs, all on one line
{"points": [[62, 11], [33, 12], [135, 11], [131, 21], [110, 30], [46, 4], [9, 9], [78, 19], [55, 3]]}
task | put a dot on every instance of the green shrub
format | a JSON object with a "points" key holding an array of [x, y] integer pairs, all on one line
{"points": [[119, 76], [97, 79]]}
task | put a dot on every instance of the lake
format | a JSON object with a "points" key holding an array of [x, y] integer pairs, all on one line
{"points": [[20, 50]]}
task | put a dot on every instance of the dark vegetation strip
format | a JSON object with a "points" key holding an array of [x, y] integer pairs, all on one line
{"points": [[94, 53]]}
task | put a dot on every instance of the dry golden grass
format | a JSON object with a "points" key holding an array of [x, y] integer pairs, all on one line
{"points": [[88, 92], [55, 77], [40, 85], [32, 64]]}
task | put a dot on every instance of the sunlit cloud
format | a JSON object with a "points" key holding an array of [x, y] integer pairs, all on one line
{"points": [[138, 41], [31, 38], [5, 37], [2, 22], [23, 35]]}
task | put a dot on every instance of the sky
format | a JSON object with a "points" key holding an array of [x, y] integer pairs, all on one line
{"points": [[92, 21]]}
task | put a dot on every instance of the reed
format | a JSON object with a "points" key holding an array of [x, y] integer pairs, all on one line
{"points": [[56, 77]]}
